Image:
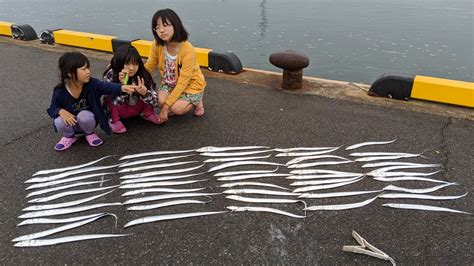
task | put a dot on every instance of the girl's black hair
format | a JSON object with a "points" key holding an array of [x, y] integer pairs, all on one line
{"points": [[126, 54], [68, 63], [169, 16]]}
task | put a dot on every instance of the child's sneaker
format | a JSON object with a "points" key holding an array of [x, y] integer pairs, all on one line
{"points": [[153, 118], [93, 140], [199, 109], [64, 143], [117, 127]]}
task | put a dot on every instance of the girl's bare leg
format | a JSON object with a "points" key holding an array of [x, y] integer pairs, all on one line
{"points": [[181, 107], [199, 109], [162, 96]]}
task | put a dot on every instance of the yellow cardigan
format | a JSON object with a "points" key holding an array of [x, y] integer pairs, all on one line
{"points": [[188, 74]]}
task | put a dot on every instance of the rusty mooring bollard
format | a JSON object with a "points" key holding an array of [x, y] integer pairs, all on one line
{"points": [[292, 63]]}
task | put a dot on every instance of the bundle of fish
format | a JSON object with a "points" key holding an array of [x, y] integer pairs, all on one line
{"points": [[59, 180], [158, 180]]}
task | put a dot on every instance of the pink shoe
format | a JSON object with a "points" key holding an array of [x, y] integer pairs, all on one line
{"points": [[117, 127], [153, 118], [93, 140], [199, 109], [65, 143]]}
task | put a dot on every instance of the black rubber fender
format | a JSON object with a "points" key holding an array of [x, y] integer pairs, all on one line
{"points": [[116, 43], [226, 62], [391, 86], [47, 36], [23, 32]]}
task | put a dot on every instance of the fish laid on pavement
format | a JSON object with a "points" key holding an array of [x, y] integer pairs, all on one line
{"points": [[228, 185], [263, 200], [321, 187], [60, 229], [323, 181], [381, 158], [69, 193], [64, 204], [232, 159], [228, 173], [322, 171], [408, 178], [336, 194], [231, 154], [305, 158], [167, 196], [233, 164], [306, 165], [167, 217], [250, 176], [61, 211], [161, 172], [284, 150], [160, 184], [263, 209], [259, 191], [385, 174], [58, 221], [378, 171], [419, 196], [358, 145], [61, 240], [78, 184], [157, 178], [338, 207], [419, 190], [165, 204], [323, 176], [66, 180], [132, 163], [57, 170], [307, 153], [220, 149], [69, 173], [422, 208], [153, 166], [383, 164], [155, 190]]}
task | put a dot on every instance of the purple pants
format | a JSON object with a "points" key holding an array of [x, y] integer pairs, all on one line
{"points": [[85, 124]]}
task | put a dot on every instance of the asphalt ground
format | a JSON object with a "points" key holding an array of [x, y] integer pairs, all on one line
{"points": [[237, 115]]}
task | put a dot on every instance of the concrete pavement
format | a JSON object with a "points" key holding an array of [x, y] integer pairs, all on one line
{"points": [[237, 114]]}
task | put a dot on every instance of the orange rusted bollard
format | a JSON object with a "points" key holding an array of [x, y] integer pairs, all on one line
{"points": [[292, 64]]}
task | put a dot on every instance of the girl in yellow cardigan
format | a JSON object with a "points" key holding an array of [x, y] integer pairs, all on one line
{"points": [[182, 82]]}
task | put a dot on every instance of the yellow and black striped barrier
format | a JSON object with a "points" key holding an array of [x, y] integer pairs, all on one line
{"points": [[425, 88], [226, 62]]}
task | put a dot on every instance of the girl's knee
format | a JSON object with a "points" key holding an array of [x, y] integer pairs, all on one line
{"points": [[85, 117], [180, 110], [59, 123]]}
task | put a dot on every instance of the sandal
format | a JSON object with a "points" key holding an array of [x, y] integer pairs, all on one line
{"points": [[153, 118], [65, 143], [117, 127], [199, 109], [93, 140]]}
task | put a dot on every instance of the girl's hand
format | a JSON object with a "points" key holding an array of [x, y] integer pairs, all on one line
{"points": [[142, 90], [121, 75], [67, 117], [129, 89], [164, 113]]}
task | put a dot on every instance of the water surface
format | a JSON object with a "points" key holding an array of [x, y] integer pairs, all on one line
{"points": [[352, 40]]}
